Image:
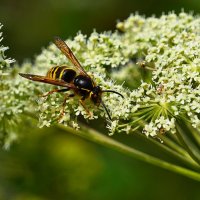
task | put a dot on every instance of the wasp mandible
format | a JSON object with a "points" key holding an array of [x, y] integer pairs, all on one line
{"points": [[72, 78]]}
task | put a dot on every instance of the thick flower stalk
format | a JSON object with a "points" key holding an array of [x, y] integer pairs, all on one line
{"points": [[152, 62]]}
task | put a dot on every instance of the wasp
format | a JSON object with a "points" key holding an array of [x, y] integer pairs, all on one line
{"points": [[73, 78]]}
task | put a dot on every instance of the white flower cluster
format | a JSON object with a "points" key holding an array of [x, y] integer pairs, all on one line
{"points": [[16, 96], [171, 45], [168, 46], [4, 62], [10, 102], [154, 61]]}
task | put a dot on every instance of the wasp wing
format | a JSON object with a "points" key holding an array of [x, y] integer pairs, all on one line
{"points": [[45, 79], [69, 54]]}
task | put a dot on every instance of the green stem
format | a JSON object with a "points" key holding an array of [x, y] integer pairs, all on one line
{"points": [[195, 133], [175, 147], [191, 148], [175, 150], [99, 138], [134, 121]]}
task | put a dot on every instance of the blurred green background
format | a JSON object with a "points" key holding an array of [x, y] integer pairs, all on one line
{"points": [[49, 164]]}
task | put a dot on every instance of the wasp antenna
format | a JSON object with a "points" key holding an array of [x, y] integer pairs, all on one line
{"points": [[113, 92], [104, 106]]}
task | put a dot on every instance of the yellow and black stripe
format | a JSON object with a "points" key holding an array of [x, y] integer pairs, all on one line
{"points": [[64, 73]]}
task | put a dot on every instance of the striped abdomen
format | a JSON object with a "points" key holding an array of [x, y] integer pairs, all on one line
{"points": [[64, 73]]}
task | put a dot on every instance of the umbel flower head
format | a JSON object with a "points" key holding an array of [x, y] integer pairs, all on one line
{"points": [[152, 62], [170, 50]]}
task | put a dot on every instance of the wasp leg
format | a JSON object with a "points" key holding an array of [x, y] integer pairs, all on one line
{"points": [[52, 91], [63, 105], [86, 109]]}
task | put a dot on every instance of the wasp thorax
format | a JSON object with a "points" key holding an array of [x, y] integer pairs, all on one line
{"points": [[83, 82]]}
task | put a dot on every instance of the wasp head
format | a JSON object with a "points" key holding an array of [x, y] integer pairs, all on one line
{"points": [[96, 95]]}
